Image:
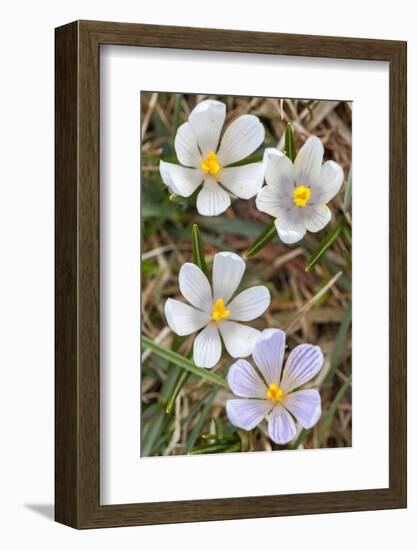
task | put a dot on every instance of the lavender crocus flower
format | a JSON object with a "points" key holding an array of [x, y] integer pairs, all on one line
{"points": [[274, 394]]}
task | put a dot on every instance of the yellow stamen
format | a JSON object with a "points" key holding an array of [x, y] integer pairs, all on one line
{"points": [[210, 165], [301, 195], [274, 393], [219, 311]]}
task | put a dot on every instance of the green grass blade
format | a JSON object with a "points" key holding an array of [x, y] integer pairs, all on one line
{"points": [[289, 143], [182, 362], [196, 431], [214, 448], [327, 420], [247, 160], [181, 379], [347, 233], [340, 343], [198, 249], [154, 433], [300, 439], [264, 238], [348, 192], [324, 245]]}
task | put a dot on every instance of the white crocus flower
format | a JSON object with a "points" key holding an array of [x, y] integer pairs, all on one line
{"points": [[277, 395], [216, 310], [205, 162], [297, 194]]}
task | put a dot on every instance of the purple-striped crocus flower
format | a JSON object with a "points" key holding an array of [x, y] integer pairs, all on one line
{"points": [[273, 395]]}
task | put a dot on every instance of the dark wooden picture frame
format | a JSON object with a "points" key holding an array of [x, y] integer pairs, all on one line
{"points": [[77, 372]]}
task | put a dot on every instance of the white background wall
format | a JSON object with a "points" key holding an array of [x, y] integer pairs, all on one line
{"points": [[27, 271]]}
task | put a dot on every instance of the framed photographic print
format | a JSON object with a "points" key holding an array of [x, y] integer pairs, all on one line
{"points": [[230, 274]]}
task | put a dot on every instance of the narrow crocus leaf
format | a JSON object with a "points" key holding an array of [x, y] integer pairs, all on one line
{"points": [[248, 160], [324, 245], [183, 362], [327, 420], [215, 437], [219, 427], [340, 343], [153, 433], [202, 418], [300, 439], [348, 192], [198, 249], [289, 143], [180, 380], [347, 233], [211, 448], [264, 238]]}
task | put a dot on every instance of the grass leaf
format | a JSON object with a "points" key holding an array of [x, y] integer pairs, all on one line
{"points": [[215, 448], [198, 249], [182, 362], [289, 143], [180, 380], [154, 432], [325, 243], [264, 238], [348, 192], [340, 343], [327, 420], [192, 438]]}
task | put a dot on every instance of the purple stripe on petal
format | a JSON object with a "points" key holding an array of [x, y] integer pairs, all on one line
{"points": [[305, 405], [268, 354], [281, 427], [244, 382], [303, 363], [247, 413]]}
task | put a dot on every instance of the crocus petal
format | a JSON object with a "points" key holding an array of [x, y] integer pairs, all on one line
{"points": [[290, 226], [186, 146], [243, 181], [247, 413], [238, 339], [305, 405], [207, 347], [268, 354], [206, 121], [244, 381], [242, 137], [316, 217], [290, 236], [281, 427], [212, 200], [183, 181], [164, 170], [307, 164], [279, 170], [184, 319], [249, 304], [328, 184], [268, 200], [194, 286], [303, 363], [228, 270]]}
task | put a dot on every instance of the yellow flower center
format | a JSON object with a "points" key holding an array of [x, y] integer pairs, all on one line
{"points": [[219, 311], [274, 393], [301, 195], [210, 165]]}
